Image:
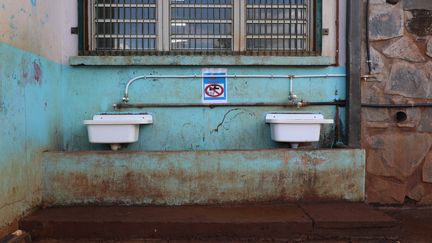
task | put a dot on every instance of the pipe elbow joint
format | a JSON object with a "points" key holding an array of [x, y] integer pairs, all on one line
{"points": [[125, 99]]}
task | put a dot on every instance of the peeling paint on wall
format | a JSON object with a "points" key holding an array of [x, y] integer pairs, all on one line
{"points": [[91, 90], [202, 177], [37, 71], [28, 127]]}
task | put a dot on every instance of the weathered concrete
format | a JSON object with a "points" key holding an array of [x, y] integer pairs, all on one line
{"points": [[416, 223], [40, 27], [203, 177], [344, 220], [286, 221], [30, 122], [272, 221], [175, 60]]}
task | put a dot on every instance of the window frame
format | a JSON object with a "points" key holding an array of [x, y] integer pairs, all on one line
{"points": [[239, 34]]}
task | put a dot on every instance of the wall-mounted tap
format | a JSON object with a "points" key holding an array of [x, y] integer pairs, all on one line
{"points": [[125, 98], [292, 97]]}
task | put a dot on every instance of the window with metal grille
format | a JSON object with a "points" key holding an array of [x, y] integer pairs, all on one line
{"points": [[123, 24], [287, 27], [279, 25], [201, 25]]}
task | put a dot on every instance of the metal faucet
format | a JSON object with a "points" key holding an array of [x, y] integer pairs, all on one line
{"points": [[126, 91], [292, 97]]}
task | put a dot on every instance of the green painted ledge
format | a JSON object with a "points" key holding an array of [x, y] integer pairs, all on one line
{"points": [[199, 60]]}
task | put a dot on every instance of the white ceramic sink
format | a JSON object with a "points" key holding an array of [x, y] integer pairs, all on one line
{"points": [[116, 129], [295, 128]]}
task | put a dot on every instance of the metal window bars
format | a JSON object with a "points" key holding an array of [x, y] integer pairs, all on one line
{"points": [[279, 25], [263, 27], [201, 25], [123, 25]]}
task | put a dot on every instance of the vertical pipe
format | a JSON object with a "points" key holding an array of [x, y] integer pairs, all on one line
{"points": [[337, 32], [319, 25], [291, 88], [81, 26], [353, 65], [368, 52]]}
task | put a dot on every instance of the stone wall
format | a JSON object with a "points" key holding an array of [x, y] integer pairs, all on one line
{"points": [[399, 155]]}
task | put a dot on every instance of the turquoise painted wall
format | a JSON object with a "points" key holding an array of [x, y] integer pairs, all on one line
{"points": [[93, 89], [43, 105], [30, 121]]}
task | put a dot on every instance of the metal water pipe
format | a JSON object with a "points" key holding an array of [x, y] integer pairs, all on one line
{"points": [[292, 97]]}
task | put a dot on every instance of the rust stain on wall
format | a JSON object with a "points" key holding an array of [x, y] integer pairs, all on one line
{"points": [[308, 159], [201, 177]]}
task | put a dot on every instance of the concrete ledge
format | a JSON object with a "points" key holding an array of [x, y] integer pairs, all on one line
{"points": [[229, 223], [199, 60], [202, 177]]}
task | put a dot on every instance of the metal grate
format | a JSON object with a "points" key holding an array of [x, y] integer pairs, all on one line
{"points": [[245, 27], [279, 25], [201, 25], [123, 25]]}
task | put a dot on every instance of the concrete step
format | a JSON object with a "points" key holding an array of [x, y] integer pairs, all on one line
{"points": [[224, 240], [226, 223]]}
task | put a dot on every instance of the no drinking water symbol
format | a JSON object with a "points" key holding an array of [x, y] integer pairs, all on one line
{"points": [[214, 90]]}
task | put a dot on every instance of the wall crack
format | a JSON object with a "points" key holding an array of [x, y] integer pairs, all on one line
{"points": [[223, 120]]}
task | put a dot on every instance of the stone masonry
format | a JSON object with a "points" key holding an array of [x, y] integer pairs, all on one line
{"points": [[399, 141]]}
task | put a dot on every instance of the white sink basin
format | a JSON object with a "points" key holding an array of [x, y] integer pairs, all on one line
{"points": [[116, 129], [295, 128]]}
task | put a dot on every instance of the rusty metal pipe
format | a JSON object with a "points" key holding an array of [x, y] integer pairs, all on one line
{"points": [[414, 105], [131, 81], [263, 104]]}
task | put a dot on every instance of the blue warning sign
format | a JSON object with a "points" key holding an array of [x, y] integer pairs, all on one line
{"points": [[214, 88]]}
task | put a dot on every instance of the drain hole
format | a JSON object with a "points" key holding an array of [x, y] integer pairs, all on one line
{"points": [[392, 1], [401, 116]]}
